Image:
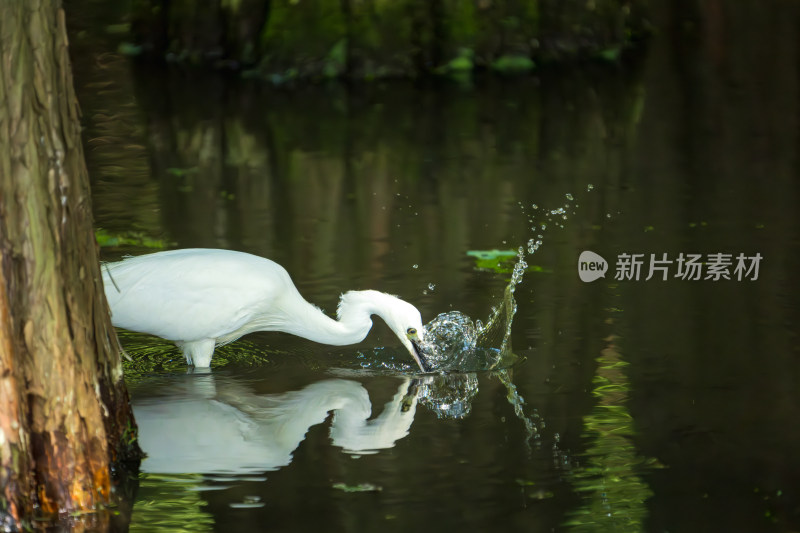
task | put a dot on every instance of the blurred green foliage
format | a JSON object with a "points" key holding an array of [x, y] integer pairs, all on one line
{"points": [[129, 238]]}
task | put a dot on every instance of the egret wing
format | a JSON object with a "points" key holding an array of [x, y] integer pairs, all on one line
{"points": [[187, 295]]}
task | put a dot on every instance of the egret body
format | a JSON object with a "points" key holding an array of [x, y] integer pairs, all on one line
{"points": [[203, 298]]}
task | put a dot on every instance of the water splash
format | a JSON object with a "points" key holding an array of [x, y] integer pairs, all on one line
{"points": [[533, 424], [450, 396], [453, 342]]}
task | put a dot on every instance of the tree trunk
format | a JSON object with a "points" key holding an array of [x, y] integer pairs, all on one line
{"points": [[64, 410]]}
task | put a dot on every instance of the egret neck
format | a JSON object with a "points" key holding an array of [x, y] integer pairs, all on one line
{"points": [[352, 326]]}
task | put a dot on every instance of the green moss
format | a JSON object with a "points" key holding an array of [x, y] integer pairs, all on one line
{"points": [[459, 66], [380, 38], [129, 49], [118, 29], [385, 38], [130, 238], [232, 5], [610, 54], [130, 436], [461, 23], [361, 487], [300, 35], [460, 63], [513, 64], [336, 60]]}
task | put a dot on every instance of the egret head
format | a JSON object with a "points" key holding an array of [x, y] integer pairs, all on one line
{"points": [[402, 318], [406, 322]]}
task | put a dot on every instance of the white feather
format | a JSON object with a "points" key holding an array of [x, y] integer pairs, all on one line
{"points": [[201, 298]]}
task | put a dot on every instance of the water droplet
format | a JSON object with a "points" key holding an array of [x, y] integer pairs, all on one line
{"points": [[415, 267], [569, 196], [533, 245], [543, 226], [535, 206], [431, 286], [589, 187]]}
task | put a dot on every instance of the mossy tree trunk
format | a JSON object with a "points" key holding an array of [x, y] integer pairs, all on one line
{"points": [[64, 410]]}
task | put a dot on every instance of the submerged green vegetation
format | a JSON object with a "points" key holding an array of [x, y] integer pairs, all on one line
{"points": [[136, 239], [155, 355], [360, 487], [171, 503]]}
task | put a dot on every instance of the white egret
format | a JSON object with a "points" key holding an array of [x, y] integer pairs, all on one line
{"points": [[203, 298]]}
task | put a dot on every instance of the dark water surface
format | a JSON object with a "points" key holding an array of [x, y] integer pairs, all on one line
{"points": [[638, 405]]}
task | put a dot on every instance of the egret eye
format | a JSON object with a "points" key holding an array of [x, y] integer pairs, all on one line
{"points": [[411, 331]]}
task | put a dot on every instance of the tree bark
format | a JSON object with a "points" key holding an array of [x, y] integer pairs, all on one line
{"points": [[64, 410]]}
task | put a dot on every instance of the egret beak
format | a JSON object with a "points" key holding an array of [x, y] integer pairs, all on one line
{"points": [[410, 396], [419, 357]]}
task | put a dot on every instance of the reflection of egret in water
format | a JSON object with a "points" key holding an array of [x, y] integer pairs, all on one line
{"points": [[449, 395], [211, 424]]}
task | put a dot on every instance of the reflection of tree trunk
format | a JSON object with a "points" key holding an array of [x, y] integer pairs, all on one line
{"points": [[64, 411], [612, 489]]}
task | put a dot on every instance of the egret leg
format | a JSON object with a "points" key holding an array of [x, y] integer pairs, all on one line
{"points": [[198, 353]]}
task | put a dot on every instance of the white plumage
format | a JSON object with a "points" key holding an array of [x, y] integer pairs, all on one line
{"points": [[214, 425], [202, 298]]}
